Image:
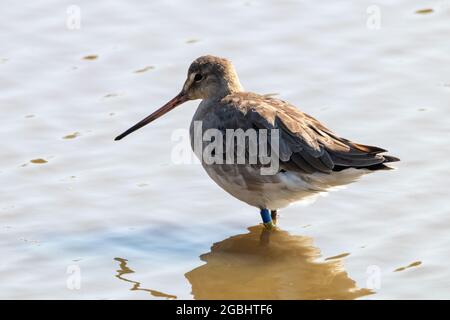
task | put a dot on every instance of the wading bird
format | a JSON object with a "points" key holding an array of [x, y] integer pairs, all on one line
{"points": [[311, 157]]}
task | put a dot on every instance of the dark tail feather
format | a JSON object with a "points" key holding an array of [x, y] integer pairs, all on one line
{"points": [[390, 158], [355, 162], [382, 166]]}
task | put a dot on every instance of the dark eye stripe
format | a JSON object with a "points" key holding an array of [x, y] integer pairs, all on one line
{"points": [[198, 77]]}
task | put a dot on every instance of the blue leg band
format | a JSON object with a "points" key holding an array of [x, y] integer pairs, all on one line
{"points": [[265, 215]]}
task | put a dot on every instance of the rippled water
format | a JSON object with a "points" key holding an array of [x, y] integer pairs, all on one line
{"points": [[138, 226]]}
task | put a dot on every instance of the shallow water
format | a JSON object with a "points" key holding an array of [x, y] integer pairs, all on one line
{"points": [[135, 225]]}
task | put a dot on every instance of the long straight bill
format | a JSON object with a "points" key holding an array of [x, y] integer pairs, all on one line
{"points": [[179, 99]]}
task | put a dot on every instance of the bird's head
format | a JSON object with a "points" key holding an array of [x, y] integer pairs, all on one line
{"points": [[208, 77], [211, 77]]}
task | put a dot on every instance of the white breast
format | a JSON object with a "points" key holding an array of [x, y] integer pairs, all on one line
{"points": [[276, 191]]}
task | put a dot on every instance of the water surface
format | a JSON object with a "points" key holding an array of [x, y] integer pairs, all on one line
{"points": [[138, 226]]}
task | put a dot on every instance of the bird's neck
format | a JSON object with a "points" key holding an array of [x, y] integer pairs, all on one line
{"points": [[230, 85], [223, 83], [233, 84]]}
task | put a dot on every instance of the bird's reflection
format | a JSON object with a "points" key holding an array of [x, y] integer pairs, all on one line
{"points": [[270, 265], [124, 269]]}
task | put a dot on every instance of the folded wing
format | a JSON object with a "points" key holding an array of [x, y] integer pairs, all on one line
{"points": [[305, 144]]}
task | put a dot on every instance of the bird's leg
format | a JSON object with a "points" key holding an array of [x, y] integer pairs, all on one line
{"points": [[267, 219], [273, 214], [264, 238]]}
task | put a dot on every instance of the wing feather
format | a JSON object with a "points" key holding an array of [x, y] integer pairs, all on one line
{"points": [[305, 145]]}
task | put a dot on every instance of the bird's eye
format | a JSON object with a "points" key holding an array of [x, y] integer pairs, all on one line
{"points": [[198, 77]]}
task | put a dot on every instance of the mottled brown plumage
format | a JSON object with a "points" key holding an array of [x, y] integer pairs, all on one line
{"points": [[306, 144]]}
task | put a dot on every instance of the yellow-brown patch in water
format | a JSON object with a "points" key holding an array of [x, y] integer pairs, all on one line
{"points": [[72, 135], [38, 161], [424, 11], [339, 256], [91, 57], [411, 265], [136, 285]]}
